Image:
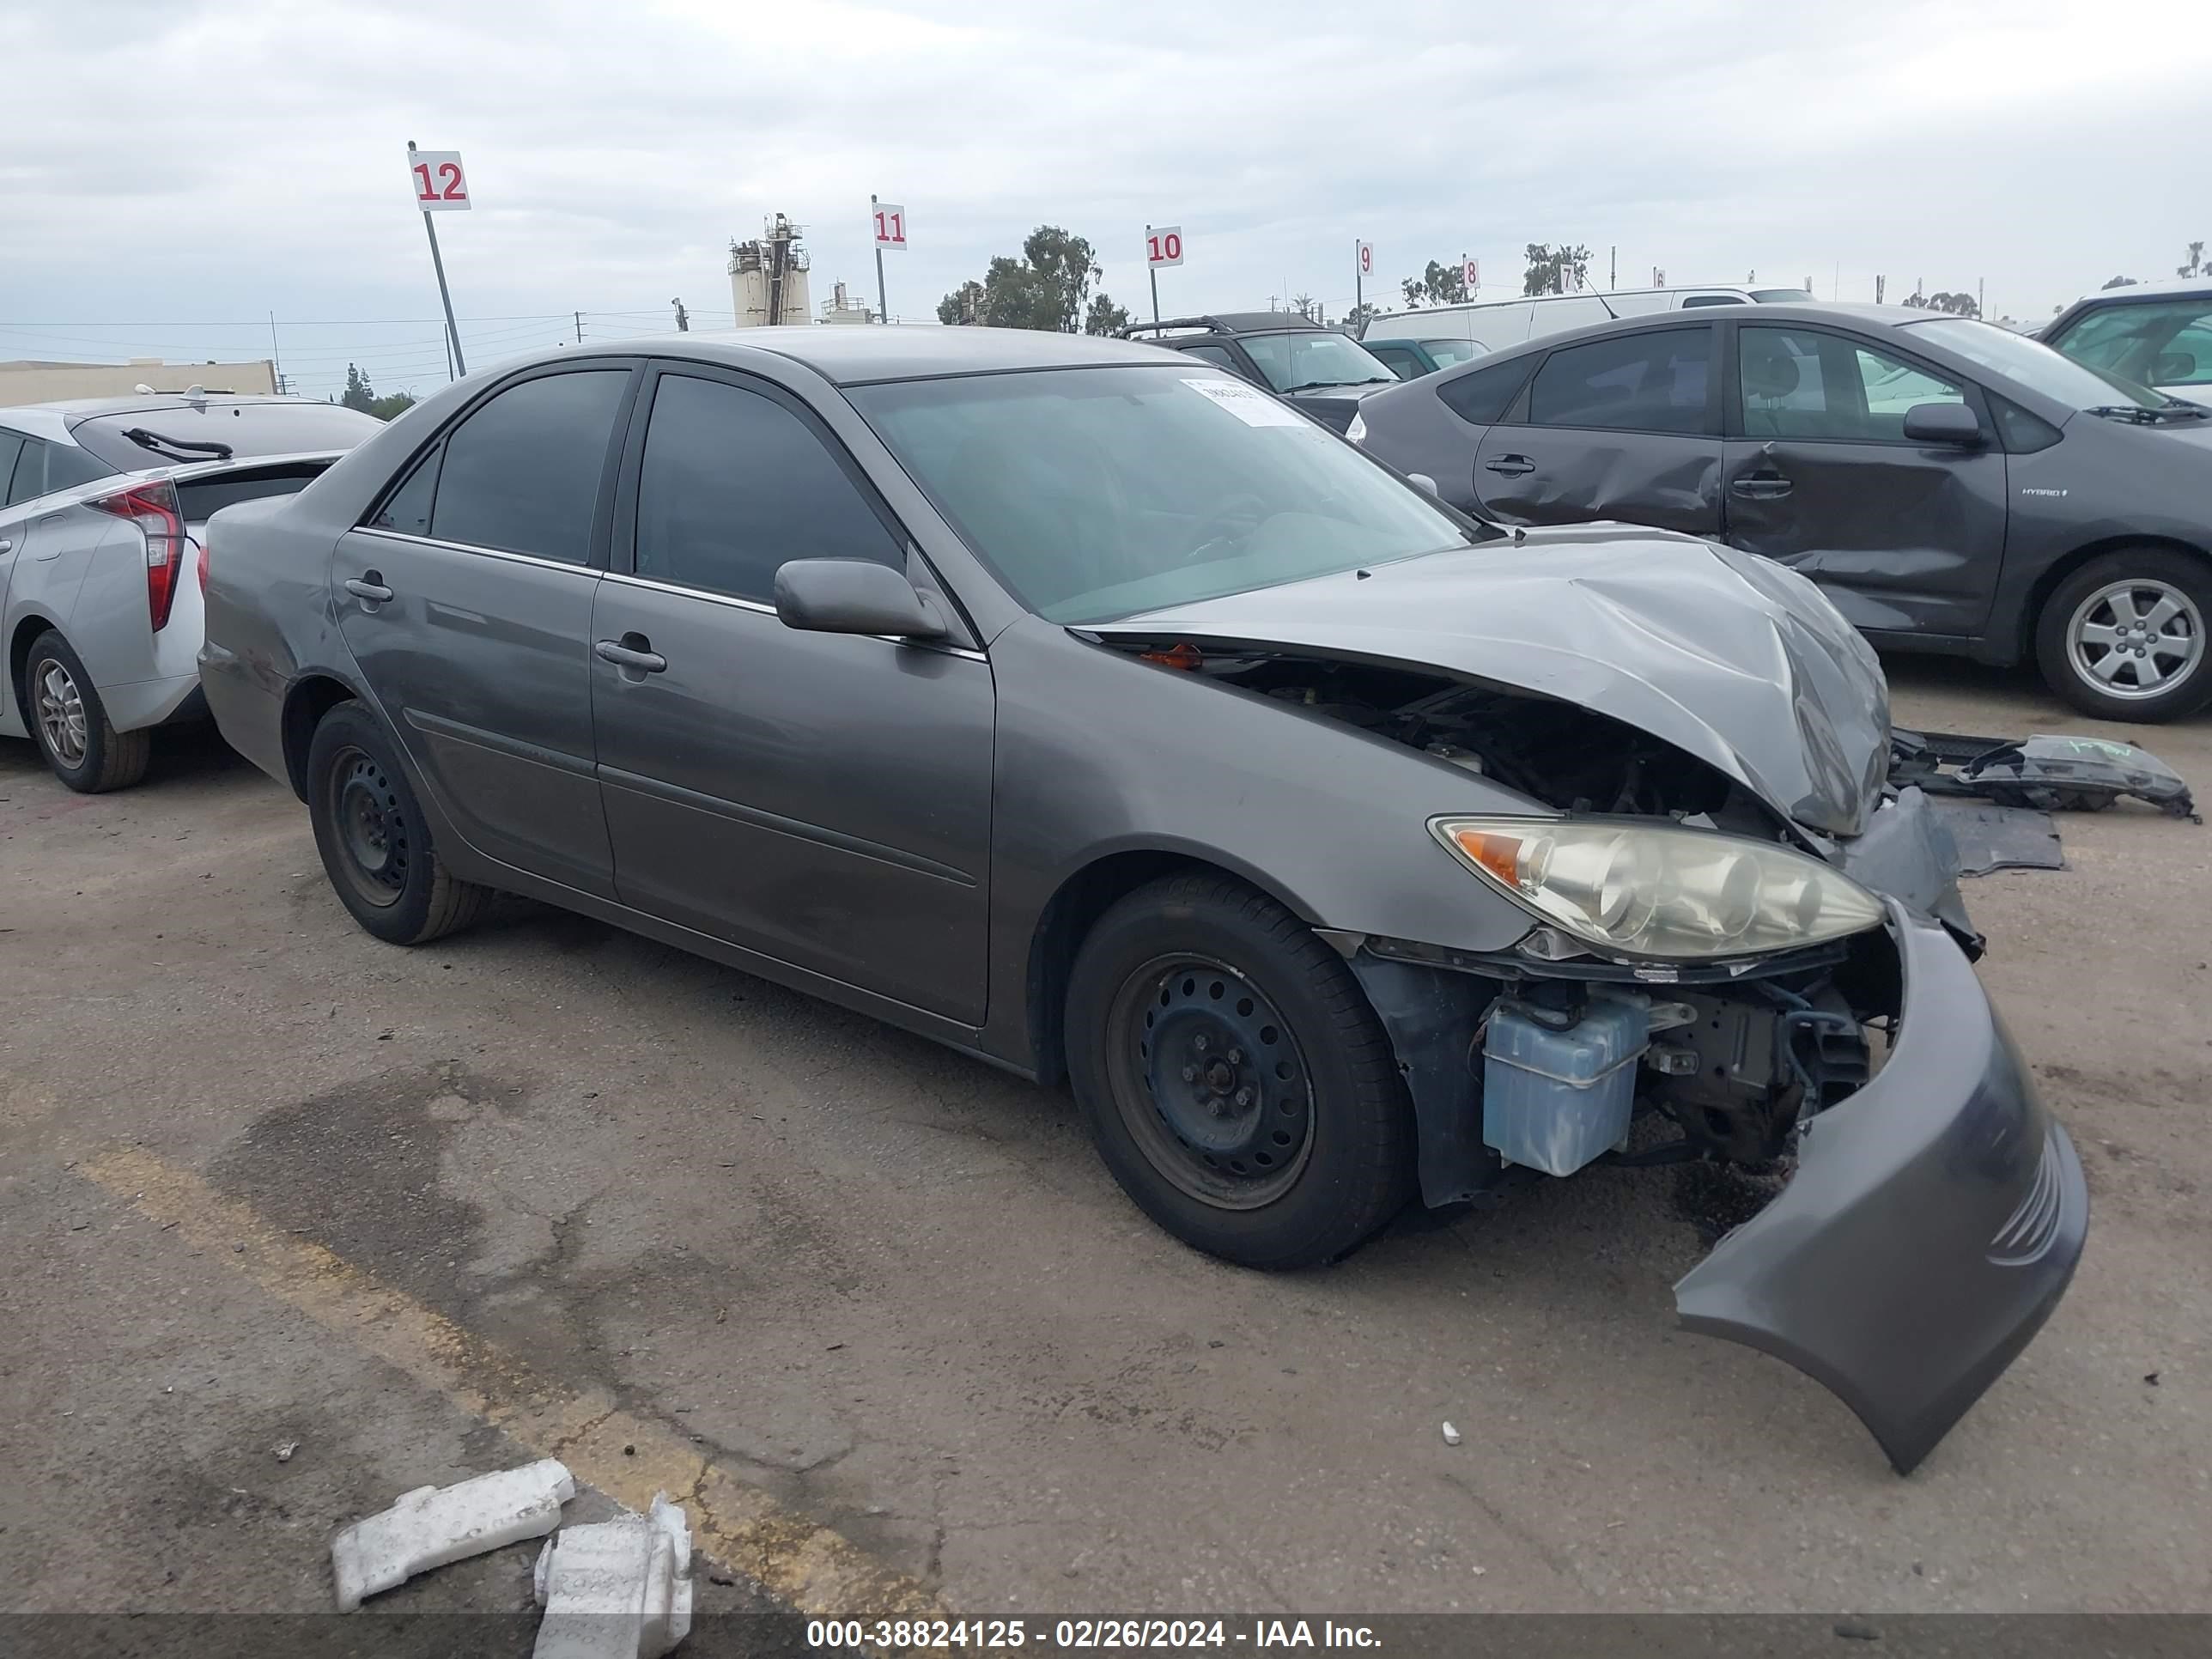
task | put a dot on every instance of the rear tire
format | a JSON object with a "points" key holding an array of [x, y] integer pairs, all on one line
{"points": [[1236, 1080], [66, 716], [375, 842], [2121, 618]]}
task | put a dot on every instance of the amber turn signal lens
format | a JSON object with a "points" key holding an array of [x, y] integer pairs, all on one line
{"points": [[1499, 854]]}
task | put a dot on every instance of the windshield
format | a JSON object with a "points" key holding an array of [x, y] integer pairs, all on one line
{"points": [[1096, 493], [2035, 365], [1296, 362], [186, 432], [1448, 352]]}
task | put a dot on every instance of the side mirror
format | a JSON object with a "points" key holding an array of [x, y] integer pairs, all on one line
{"points": [[853, 596], [2173, 367], [1423, 481], [1942, 423]]}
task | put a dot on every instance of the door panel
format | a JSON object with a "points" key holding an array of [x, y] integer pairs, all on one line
{"points": [[1903, 537], [1625, 427], [823, 799], [480, 661]]}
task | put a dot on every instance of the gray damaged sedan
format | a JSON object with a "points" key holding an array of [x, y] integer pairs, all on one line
{"points": [[1089, 710]]}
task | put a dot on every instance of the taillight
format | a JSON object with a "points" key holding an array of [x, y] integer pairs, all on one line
{"points": [[153, 508]]}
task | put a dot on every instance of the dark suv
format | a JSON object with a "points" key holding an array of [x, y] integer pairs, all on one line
{"points": [[1322, 370]]}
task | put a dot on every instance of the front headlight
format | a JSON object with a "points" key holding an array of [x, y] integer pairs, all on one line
{"points": [[1654, 891]]}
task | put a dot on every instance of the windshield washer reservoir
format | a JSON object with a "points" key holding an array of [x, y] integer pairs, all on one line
{"points": [[1554, 1099]]}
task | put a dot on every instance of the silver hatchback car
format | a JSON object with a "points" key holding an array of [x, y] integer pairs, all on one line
{"points": [[102, 505]]}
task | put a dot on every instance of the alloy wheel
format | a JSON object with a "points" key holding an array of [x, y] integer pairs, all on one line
{"points": [[2137, 639], [61, 712]]}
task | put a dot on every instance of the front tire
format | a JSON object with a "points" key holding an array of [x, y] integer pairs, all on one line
{"points": [[2123, 637], [375, 842], [1235, 1081], [63, 707]]}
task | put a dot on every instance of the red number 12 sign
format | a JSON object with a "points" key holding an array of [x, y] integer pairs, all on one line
{"points": [[439, 184]]}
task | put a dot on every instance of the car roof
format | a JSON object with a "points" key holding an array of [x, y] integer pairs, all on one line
{"points": [[855, 354], [2170, 287], [36, 421], [1817, 311]]}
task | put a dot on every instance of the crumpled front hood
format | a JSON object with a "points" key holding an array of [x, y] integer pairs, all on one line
{"points": [[1732, 659]]}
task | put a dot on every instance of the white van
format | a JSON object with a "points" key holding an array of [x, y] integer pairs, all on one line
{"points": [[1494, 324]]}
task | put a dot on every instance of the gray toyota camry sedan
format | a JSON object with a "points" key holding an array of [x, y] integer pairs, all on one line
{"points": [[1091, 711]]}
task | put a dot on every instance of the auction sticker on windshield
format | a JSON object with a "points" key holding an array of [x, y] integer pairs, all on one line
{"points": [[1247, 403]]}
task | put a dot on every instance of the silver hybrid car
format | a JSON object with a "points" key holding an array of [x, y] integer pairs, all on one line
{"points": [[102, 511]]}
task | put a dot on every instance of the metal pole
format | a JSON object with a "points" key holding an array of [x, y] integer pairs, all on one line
{"points": [[438, 264], [580, 326], [1153, 271], [883, 304], [276, 356], [1358, 298]]}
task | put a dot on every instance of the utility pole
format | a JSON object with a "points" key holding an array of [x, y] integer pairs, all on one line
{"points": [[682, 317], [276, 356], [1981, 297], [459, 367], [1611, 268], [580, 327]]}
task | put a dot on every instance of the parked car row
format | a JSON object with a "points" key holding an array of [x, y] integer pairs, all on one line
{"points": [[103, 517], [1097, 712], [1951, 486]]}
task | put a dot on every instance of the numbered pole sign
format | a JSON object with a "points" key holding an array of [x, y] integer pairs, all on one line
{"points": [[1471, 271], [1164, 246], [890, 225], [1366, 259], [439, 184]]}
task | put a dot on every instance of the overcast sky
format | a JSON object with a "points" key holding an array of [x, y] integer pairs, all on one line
{"points": [[176, 170]]}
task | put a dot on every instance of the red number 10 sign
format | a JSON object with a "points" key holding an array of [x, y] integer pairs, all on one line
{"points": [[439, 184], [890, 225], [1163, 245]]}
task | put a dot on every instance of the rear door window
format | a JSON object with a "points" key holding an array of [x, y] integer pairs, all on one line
{"points": [[1481, 395], [523, 473], [11, 446], [1652, 380], [733, 485], [29, 478]]}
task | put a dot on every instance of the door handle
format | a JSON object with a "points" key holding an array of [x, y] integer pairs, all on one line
{"points": [[1761, 488], [369, 585], [1511, 466], [7, 546], [631, 656]]}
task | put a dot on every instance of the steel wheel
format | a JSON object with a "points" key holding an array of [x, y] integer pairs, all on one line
{"points": [[1210, 1082], [61, 711], [2135, 639], [372, 828]]}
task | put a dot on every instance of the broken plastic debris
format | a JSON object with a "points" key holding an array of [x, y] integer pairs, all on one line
{"points": [[432, 1525], [1452, 1435], [282, 1450], [616, 1590]]}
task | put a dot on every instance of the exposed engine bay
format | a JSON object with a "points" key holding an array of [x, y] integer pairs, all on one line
{"points": [[1568, 1051]]}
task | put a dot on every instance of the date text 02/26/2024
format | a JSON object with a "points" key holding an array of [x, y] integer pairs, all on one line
{"points": [[977, 1635]]}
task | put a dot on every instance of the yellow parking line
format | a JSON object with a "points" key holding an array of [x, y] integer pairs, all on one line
{"points": [[813, 1568]]}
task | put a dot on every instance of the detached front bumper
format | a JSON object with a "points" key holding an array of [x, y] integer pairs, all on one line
{"points": [[1933, 1223]]}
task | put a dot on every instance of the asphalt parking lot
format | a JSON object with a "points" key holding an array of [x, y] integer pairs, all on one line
{"points": [[882, 1318]]}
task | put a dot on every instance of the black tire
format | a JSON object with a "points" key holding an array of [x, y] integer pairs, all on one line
{"points": [[2072, 665], [86, 752], [375, 846], [1320, 1156]]}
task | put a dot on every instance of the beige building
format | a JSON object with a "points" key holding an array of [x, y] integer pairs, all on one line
{"points": [[27, 382]]}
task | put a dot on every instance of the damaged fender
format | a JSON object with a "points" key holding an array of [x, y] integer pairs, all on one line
{"points": [[1934, 1221]]}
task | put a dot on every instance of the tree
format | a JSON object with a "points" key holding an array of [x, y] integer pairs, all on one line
{"points": [[1306, 306], [1104, 317], [2121, 282], [1437, 285], [1959, 305], [2195, 267], [1560, 270], [1360, 315], [358, 393], [1045, 288], [395, 404]]}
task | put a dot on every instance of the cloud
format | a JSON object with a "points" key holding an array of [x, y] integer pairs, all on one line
{"points": [[203, 164]]}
